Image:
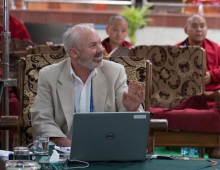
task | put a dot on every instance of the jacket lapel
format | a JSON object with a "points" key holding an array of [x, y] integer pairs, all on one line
{"points": [[100, 90], [66, 93]]}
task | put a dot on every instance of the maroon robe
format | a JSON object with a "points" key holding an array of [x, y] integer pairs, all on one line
{"points": [[197, 114], [107, 46], [17, 29]]}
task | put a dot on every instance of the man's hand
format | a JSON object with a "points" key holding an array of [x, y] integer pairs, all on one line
{"points": [[132, 99], [60, 141], [208, 78]]}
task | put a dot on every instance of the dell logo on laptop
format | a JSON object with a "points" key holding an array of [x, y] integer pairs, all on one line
{"points": [[110, 136]]}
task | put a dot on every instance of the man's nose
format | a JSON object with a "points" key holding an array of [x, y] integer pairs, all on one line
{"points": [[100, 47], [119, 33], [199, 28]]}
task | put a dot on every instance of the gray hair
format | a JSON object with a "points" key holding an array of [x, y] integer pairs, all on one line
{"points": [[72, 35]]}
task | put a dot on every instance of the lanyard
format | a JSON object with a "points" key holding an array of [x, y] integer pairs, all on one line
{"points": [[91, 100]]}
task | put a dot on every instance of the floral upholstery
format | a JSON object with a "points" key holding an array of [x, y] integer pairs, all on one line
{"points": [[31, 66], [177, 72], [135, 68]]}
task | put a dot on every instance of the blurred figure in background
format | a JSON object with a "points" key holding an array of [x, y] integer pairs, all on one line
{"points": [[196, 29], [17, 29], [117, 30]]}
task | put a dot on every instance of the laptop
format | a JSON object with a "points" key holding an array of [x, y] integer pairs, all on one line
{"points": [[110, 136]]}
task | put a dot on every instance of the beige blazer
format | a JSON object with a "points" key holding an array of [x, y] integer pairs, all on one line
{"points": [[52, 111]]}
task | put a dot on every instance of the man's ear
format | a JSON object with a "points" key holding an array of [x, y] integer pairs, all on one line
{"points": [[106, 29], [73, 52], [185, 30]]}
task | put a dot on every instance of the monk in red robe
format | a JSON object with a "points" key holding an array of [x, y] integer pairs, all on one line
{"points": [[17, 29], [117, 30], [196, 29], [198, 113]]}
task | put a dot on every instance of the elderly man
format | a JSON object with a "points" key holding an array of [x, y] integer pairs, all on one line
{"points": [[196, 29], [82, 83]]}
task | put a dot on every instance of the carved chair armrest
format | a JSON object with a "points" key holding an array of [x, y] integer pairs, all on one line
{"points": [[158, 125], [212, 95], [9, 123]]}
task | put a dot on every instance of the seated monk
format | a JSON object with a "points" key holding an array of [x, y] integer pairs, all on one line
{"points": [[196, 29], [17, 29], [198, 113], [117, 30]]}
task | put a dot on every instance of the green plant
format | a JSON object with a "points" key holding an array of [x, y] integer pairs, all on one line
{"points": [[136, 18]]}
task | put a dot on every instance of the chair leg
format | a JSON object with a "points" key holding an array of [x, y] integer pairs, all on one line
{"points": [[201, 152], [150, 147], [214, 153]]}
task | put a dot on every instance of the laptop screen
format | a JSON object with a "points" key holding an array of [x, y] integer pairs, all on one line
{"points": [[110, 136]]}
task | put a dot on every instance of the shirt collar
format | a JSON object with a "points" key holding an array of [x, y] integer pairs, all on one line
{"points": [[187, 43], [92, 74]]}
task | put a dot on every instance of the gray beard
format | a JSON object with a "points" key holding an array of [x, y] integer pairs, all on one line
{"points": [[90, 65]]}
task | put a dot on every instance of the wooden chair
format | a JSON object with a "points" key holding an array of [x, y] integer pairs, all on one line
{"points": [[177, 72], [29, 68], [186, 68], [46, 49], [17, 50], [27, 84], [120, 51], [137, 69]]}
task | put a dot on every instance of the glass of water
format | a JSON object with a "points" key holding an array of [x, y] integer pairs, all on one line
{"points": [[21, 153], [41, 145]]}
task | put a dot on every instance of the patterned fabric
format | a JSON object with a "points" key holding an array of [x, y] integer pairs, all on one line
{"points": [[135, 68], [177, 72], [31, 66]]}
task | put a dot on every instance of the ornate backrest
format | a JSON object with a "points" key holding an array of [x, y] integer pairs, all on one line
{"points": [[120, 51], [177, 72], [29, 68], [46, 49], [135, 68]]}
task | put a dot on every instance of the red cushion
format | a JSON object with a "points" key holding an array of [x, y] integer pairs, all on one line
{"points": [[195, 117]]}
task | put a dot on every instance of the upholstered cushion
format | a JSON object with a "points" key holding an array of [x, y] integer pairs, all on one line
{"points": [[177, 72], [135, 68]]}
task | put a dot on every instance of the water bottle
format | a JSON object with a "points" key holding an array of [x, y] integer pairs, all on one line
{"points": [[193, 152], [189, 152], [185, 151], [201, 9]]}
